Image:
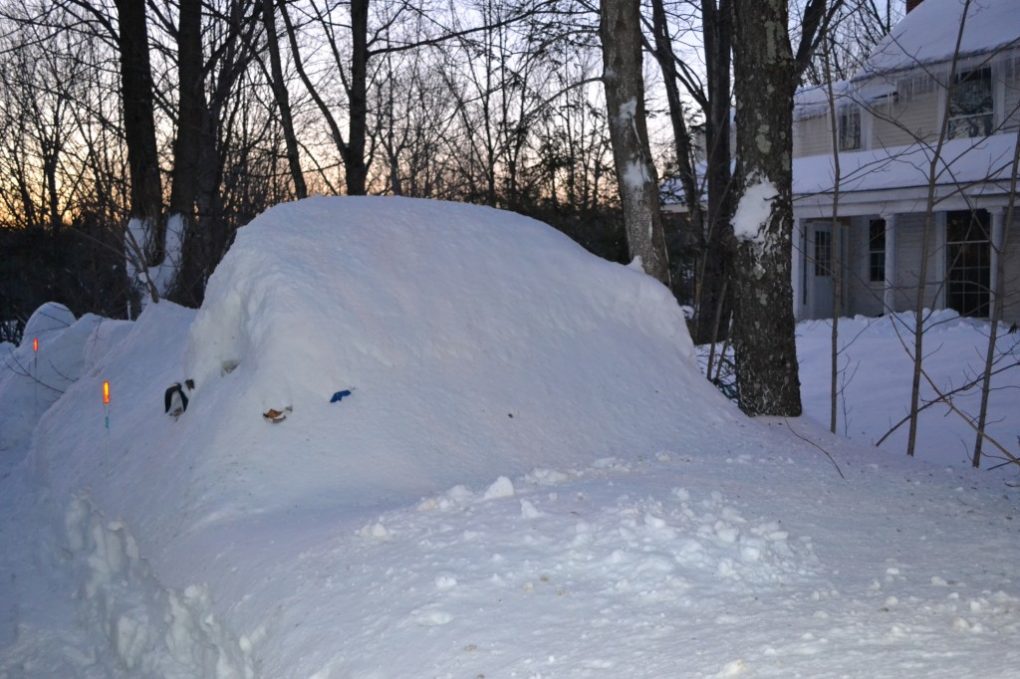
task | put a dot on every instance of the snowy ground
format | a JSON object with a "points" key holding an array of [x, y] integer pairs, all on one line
{"points": [[530, 479], [875, 377]]}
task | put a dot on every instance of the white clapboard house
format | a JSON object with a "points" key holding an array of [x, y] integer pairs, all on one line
{"points": [[888, 121]]}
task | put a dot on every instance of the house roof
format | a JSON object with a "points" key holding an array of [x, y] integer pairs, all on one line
{"points": [[969, 173], [962, 162], [928, 34], [966, 167]]}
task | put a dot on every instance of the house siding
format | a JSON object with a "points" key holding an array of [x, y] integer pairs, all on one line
{"points": [[812, 137], [903, 122], [1011, 94], [909, 232]]}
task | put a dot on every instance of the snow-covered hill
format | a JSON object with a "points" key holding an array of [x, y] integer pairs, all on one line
{"points": [[528, 478]]}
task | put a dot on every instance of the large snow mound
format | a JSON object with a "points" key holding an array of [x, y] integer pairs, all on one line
{"points": [[474, 342], [472, 339]]}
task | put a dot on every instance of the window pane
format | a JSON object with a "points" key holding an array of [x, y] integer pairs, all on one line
{"points": [[971, 104], [849, 128], [876, 250], [968, 255], [823, 253]]}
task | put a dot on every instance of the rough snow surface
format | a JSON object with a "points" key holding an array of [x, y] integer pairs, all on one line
{"points": [[530, 479]]}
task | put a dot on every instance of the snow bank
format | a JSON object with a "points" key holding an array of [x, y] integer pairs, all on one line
{"points": [[475, 343], [472, 340], [529, 478], [37, 378]]}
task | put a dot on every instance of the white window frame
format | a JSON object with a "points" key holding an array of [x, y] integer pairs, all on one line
{"points": [[843, 113], [993, 75]]}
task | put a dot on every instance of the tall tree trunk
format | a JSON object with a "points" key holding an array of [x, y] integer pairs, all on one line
{"points": [[354, 160], [190, 108], [620, 32], [139, 127], [836, 246], [765, 77], [283, 99], [717, 237], [682, 145], [188, 145]]}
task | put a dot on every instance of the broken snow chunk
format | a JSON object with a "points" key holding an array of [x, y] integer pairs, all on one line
{"points": [[500, 488], [682, 494], [725, 569], [725, 532], [375, 531], [445, 581], [433, 618], [734, 668], [528, 510], [961, 625], [653, 521], [545, 477], [936, 581]]}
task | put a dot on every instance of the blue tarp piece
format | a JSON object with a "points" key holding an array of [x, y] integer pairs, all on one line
{"points": [[339, 395]]}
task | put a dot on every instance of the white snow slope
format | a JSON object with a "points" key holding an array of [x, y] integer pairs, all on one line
{"points": [[529, 479]]}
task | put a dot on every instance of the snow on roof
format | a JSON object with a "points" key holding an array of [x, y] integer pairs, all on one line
{"points": [[813, 101], [963, 161], [928, 34]]}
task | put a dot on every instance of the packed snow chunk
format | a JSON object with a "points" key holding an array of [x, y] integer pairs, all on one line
{"points": [[753, 210], [500, 488], [480, 342], [47, 318], [530, 511], [375, 531]]}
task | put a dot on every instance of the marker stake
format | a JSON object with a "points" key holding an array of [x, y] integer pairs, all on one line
{"points": [[106, 403]]}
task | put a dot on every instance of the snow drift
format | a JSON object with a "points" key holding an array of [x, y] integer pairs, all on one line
{"points": [[38, 375], [475, 342], [471, 339]]}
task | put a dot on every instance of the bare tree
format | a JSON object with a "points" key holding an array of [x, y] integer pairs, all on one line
{"points": [[282, 98], [620, 32], [766, 74]]}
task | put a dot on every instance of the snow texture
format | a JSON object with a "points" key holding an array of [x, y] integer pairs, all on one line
{"points": [[753, 210], [928, 34]]}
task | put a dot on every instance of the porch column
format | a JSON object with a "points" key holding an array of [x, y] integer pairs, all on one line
{"points": [[998, 217], [797, 266], [889, 292]]}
